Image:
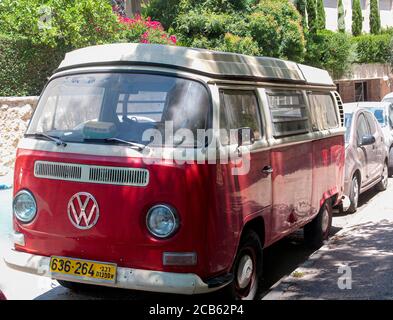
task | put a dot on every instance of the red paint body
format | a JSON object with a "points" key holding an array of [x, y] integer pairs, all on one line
{"points": [[213, 205]]}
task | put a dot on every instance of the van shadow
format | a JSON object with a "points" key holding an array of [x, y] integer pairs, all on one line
{"points": [[280, 259]]}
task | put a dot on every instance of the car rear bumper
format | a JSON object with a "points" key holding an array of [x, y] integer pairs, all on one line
{"points": [[127, 278]]}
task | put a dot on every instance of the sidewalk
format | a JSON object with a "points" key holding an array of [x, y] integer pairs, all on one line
{"points": [[365, 245]]}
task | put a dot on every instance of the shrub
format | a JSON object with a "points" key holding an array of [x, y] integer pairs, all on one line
{"points": [[357, 18], [25, 66], [53, 22], [329, 50], [233, 43], [375, 19], [373, 48], [165, 11], [276, 27], [142, 30]]}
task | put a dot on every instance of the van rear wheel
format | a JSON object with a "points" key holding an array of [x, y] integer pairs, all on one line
{"points": [[247, 270], [318, 230]]}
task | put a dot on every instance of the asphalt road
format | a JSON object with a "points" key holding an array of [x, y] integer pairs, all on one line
{"points": [[280, 260]]}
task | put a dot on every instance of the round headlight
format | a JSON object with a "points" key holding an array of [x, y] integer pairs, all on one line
{"points": [[25, 207], [162, 221]]}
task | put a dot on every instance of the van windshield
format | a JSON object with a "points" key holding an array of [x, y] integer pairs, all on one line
{"points": [[100, 107]]}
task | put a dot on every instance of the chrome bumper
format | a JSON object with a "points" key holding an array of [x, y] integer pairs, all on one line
{"points": [[135, 279]]}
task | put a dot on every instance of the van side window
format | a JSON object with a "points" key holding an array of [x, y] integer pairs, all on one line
{"points": [[289, 112], [238, 109], [323, 110]]}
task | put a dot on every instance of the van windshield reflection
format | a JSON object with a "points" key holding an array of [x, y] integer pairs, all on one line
{"points": [[123, 106]]}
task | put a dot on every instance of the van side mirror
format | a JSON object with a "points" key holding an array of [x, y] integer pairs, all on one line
{"points": [[367, 140], [245, 136]]}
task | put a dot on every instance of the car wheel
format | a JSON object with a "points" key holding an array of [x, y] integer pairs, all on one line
{"points": [[390, 171], [247, 270], [383, 184], [354, 195], [318, 230]]}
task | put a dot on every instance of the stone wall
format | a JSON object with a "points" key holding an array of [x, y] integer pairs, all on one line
{"points": [[15, 113]]}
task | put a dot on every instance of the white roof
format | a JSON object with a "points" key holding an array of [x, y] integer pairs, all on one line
{"points": [[388, 96], [353, 106], [211, 63]]}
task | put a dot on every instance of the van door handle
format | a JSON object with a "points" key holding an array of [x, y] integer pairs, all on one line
{"points": [[267, 170]]}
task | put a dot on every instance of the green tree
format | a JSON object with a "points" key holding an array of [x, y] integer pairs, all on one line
{"points": [[341, 17], [60, 22], [329, 50], [375, 19], [321, 16], [312, 15], [357, 18], [301, 6]]}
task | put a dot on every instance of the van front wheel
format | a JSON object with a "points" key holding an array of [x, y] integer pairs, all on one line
{"points": [[247, 269], [317, 231]]}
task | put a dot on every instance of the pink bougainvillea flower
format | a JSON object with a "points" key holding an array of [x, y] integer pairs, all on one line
{"points": [[173, 39]]}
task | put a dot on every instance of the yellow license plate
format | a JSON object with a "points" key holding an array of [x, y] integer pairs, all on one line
{"points": [[61, 267]]}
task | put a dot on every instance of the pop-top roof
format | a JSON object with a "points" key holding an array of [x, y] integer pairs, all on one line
{"points": [[211, 63]]}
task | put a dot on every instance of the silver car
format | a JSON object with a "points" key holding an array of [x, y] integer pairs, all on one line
{"points": [[383, 112], [366, 156]]}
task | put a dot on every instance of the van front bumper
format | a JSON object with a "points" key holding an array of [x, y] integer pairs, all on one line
{"points": [[127, 278]]}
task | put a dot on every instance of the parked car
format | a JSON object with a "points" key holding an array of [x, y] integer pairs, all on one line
{"points": [[100, 199], [366, 156], [388, 97], [383, 112]]}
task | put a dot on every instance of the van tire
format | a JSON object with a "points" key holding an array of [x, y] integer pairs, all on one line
{"points": [[383, 184], [354, 194], [318, 230], [249, 251]]}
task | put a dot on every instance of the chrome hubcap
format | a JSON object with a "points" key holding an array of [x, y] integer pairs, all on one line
{"points": [[325, 220], [245, 271]]}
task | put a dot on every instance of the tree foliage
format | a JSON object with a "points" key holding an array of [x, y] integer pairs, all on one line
{"points": [[375, 19], [329, 50], [269, 27], [312, 15], [75, 23], [321, 15], [341, 16], [357, 18], [301, 6]]}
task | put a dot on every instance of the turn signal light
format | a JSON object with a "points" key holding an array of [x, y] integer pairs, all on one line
{"points": [[179, 259]]}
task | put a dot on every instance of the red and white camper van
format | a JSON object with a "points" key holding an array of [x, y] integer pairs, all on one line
{"points": [[169, 169]]}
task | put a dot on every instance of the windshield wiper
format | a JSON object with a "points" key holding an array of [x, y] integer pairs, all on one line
{"points": [[131, 143], [139, 146], [58, 141]]}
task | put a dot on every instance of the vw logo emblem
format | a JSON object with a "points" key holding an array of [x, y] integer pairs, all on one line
{"points": [[83, 211]]}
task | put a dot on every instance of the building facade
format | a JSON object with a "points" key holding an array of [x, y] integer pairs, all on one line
{"points": [[385, 11]]}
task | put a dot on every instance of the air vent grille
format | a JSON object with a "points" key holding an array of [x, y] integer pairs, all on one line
{"points": [[91, 174], [340, 107]]}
